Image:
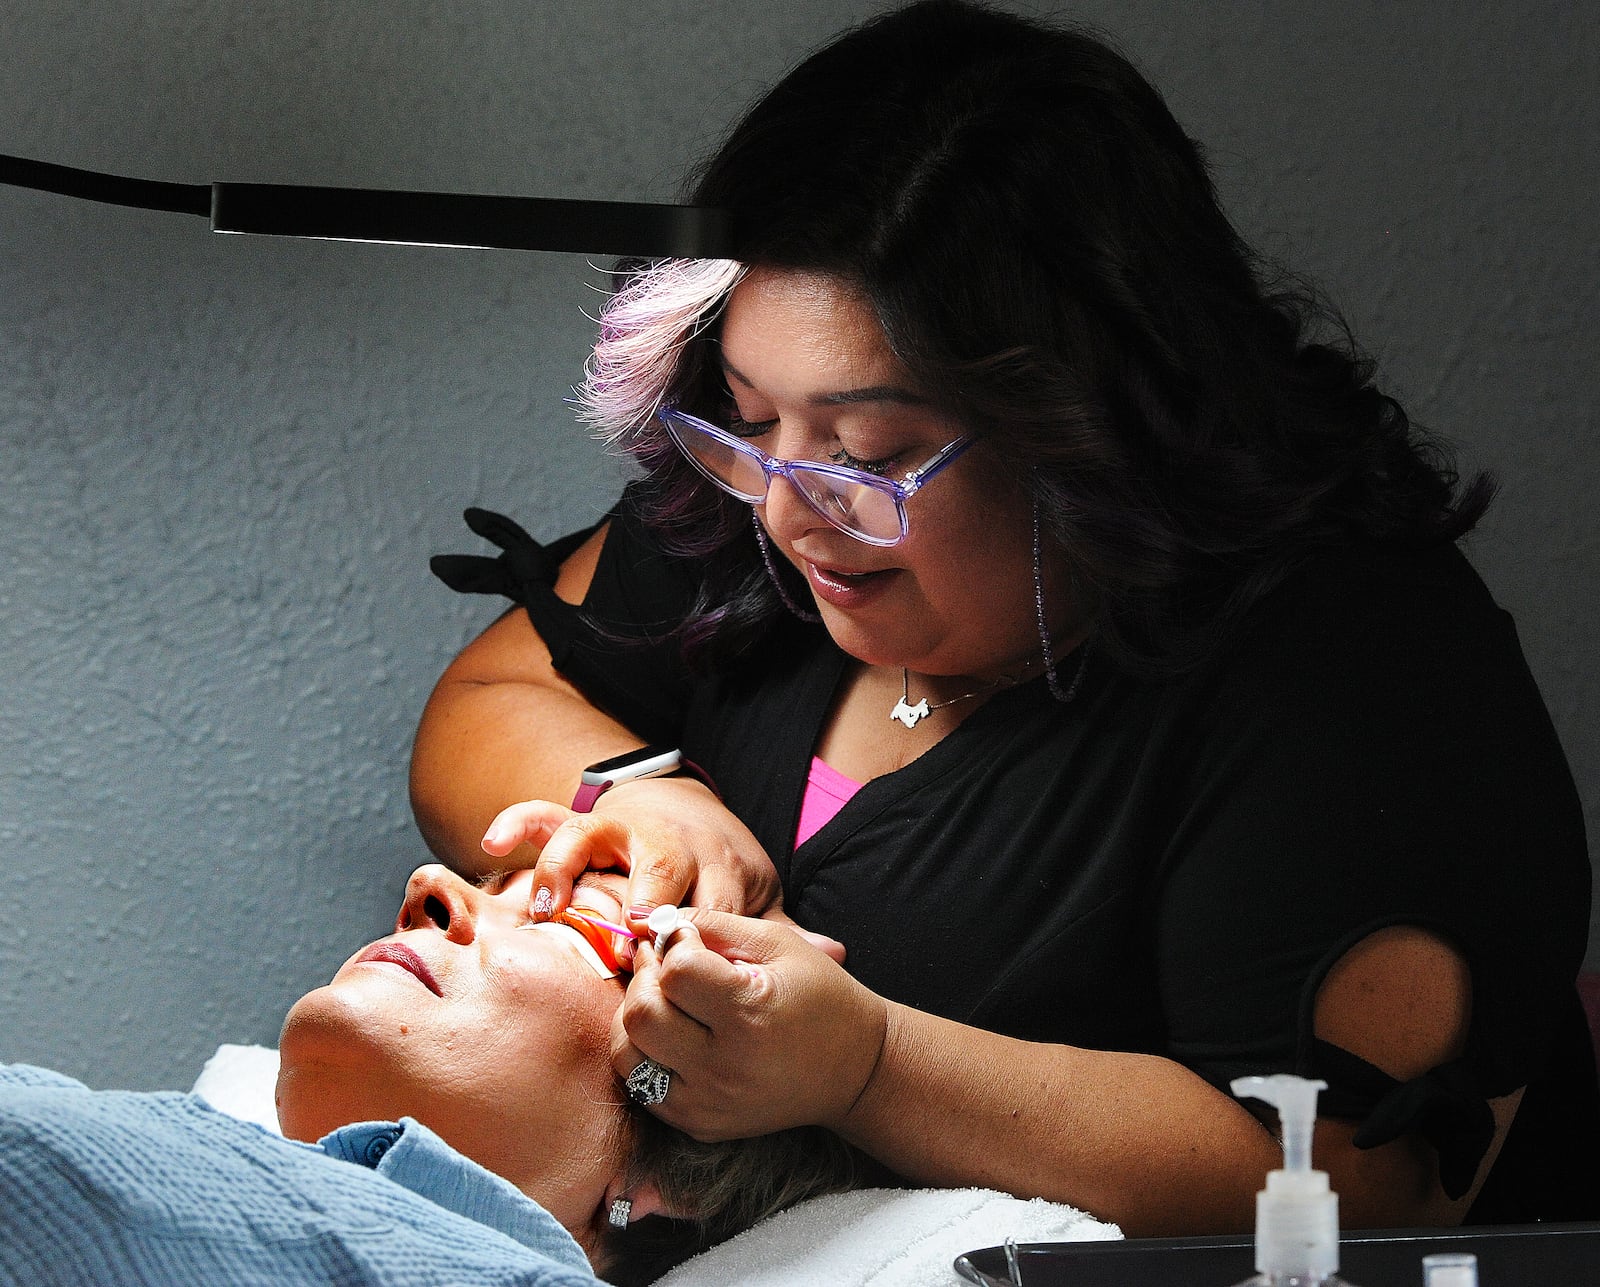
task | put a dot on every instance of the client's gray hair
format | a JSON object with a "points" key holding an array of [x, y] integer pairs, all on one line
{"points": [[718, 1189]]}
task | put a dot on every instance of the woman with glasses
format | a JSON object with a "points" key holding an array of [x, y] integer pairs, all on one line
{"points": [[1032, 592]]}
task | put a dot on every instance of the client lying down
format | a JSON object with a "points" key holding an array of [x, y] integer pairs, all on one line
{"points": [[494, 1145]]}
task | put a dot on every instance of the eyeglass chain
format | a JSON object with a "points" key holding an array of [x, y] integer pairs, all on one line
{"points": [[911, 714], [1061, 695], [777, 581]]}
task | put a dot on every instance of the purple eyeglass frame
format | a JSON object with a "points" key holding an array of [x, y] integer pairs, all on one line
{"points": [[899, 491]]}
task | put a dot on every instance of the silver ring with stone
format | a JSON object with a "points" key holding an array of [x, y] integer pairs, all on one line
{"points": [[648, 1083]]}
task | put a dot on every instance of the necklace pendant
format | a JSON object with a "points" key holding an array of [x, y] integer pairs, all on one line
{"points": [[908, 714]]}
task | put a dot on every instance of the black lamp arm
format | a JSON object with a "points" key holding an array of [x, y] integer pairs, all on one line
{"points": [[628, 228]]}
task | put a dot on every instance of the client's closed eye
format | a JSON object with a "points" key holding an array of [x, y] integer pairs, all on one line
{"points": [[595, 945]]}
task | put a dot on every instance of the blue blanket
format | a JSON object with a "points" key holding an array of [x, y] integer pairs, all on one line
{"points": [[126, 1187]]}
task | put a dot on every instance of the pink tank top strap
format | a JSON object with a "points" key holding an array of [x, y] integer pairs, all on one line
{"points": [[827, 791]]}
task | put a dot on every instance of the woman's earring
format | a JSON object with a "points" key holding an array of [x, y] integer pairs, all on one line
{"points": [[621, 1209]]}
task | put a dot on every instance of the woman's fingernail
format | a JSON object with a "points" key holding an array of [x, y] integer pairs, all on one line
{"points": [[544, 902], [493, 836], [640, 912]]}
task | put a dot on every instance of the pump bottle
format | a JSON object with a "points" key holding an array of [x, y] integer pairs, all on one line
{"points": [[1450, 1269], [1297, 1214]]}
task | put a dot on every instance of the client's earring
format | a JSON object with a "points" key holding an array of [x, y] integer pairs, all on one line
{"points": [[621, 1209]]}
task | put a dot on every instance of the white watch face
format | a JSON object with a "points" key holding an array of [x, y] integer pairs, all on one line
{"points": [[649, 762]]}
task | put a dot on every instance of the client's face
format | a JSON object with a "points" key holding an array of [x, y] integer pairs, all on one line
{"points": [[493, 1031]]}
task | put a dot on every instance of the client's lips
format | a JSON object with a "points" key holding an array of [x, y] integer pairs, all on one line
{"points": [[401, 955]]}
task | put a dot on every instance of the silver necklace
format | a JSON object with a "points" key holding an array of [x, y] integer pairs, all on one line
{"points": [[911, 714]]}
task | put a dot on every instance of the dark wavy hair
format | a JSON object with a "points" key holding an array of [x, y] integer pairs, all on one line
{"points": [[1044, 248]]}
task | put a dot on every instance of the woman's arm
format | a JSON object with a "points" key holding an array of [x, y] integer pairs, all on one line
{"points": [[1145, 1142], [504, 726], [761, 1032]]}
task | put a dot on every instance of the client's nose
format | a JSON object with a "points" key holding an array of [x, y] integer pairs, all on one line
{"points": [[436, 896]]}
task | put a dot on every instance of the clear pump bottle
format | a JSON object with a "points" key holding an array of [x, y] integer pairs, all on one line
{"points": [[1297, 1214], [1450, 1269]]}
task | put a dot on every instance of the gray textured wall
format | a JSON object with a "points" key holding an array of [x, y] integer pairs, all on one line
{"points": [[226, 460]]}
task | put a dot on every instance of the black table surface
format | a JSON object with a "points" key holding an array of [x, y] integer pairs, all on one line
{"points": [[1546, 1255]]}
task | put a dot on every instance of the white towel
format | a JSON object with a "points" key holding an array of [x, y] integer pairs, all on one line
{"points": [[866, 1238], [882, 1237], [242, 1081]]}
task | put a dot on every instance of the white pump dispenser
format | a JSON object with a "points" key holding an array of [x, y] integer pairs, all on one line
{"points": [[1297, 1214], [1450, 1269]]}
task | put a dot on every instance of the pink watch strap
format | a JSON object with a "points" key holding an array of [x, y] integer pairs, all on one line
{"points": [[588, 793]]}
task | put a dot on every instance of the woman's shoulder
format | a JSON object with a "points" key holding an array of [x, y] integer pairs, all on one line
{"points": [[1379, 705], [1419, 588], [635, 580], [638, 580], [1391, 624]]}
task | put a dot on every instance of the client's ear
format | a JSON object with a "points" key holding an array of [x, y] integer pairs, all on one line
{"points": [[643, 1199]]}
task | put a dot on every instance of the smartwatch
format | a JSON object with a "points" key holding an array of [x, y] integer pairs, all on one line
{"points": [[646, 762]]}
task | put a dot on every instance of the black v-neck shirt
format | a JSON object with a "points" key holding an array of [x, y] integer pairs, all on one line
{"points": [[1172, 868]]}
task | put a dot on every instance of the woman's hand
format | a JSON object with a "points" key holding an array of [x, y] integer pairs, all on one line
{"points": [[762, 1030], [673, 838]]}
